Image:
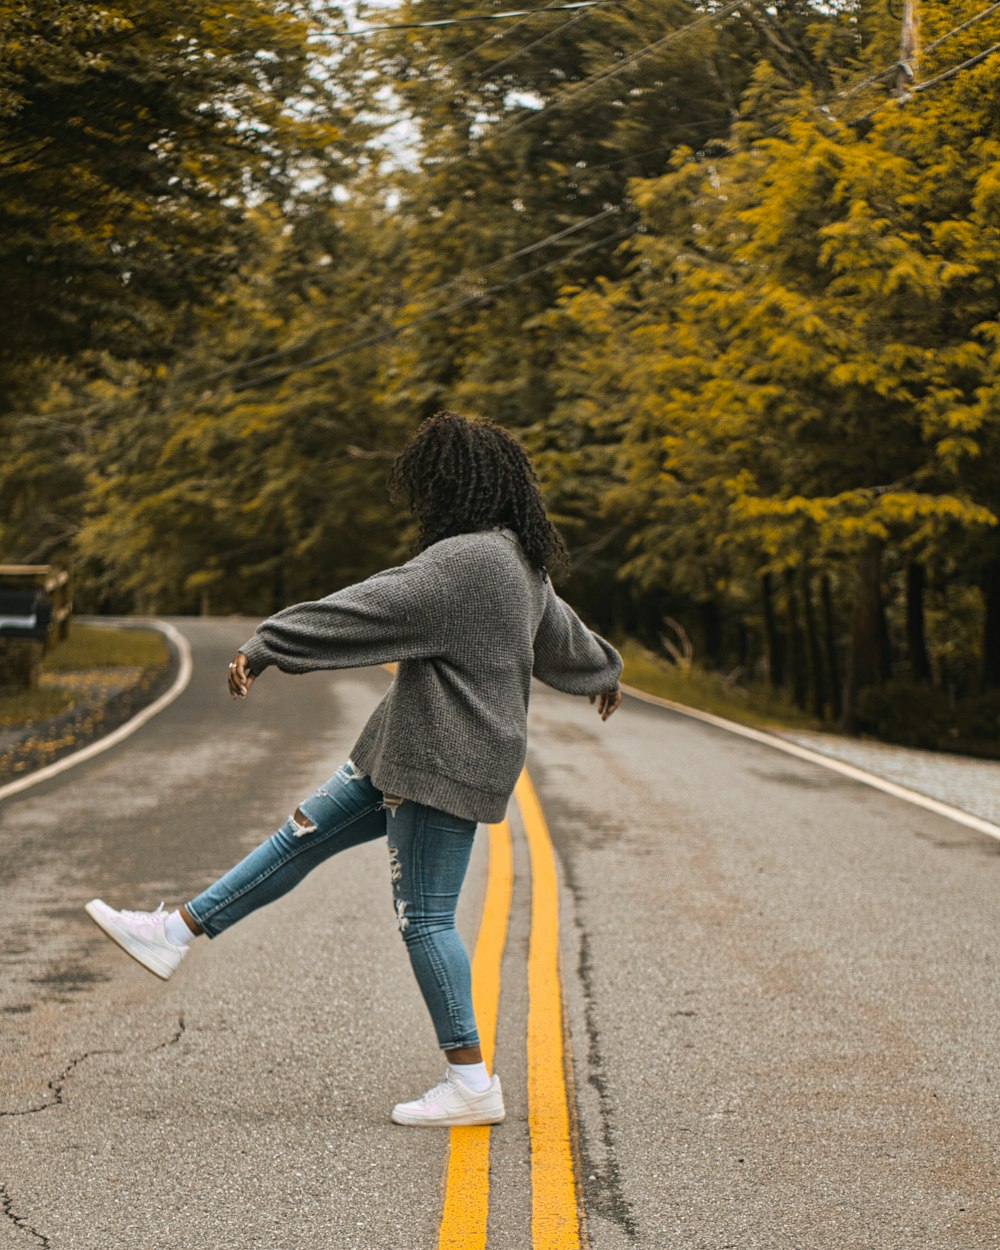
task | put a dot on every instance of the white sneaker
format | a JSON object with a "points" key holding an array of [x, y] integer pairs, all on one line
{"points": [[141, 934], [452, 1102]]}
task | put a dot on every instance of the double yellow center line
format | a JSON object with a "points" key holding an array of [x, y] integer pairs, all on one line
{"points": [[554, 1216]]}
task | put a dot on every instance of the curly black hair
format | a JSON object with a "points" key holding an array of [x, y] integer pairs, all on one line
{"points": [[460, 474]]}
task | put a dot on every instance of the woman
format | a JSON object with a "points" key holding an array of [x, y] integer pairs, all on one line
{"points": [[468, 620]]}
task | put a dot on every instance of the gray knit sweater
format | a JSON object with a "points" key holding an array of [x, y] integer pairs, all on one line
{"points": [[469, 621]]}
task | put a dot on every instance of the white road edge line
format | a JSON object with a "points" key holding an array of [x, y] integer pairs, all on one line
{"points": [[123, 731], [826, 761]]}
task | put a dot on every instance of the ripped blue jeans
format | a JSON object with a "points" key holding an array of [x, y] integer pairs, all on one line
{"points": [[429, 853]]}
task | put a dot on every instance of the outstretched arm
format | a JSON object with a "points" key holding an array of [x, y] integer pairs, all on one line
{"points": [[398, 614], [572, 658]]}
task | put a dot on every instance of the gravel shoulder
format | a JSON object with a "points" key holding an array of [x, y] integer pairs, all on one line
{"points": [[972, 785]]}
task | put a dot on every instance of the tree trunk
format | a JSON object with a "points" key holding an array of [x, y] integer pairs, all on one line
{"points": [[796, 651], [991, 628], [830, 646], [278, 600], [916, 638], [814, 656], [711, 633], [773, 643], [743, 659], [866, 663]]}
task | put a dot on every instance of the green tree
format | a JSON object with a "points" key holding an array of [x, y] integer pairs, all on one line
{"points": [[135, 147], [808, 380]]}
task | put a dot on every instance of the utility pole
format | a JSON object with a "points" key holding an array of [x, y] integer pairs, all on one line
{"points": [[909, 49]]}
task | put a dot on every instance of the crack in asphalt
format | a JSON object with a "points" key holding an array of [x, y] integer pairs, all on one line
{"points": [[7, 1208], [56, 1086], [57, 1083], [603, 1185]]}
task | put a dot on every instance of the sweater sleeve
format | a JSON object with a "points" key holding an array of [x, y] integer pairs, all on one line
{"points": [[569, 656], [398, 614]]}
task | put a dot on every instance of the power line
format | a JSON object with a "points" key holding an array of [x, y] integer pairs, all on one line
{"points": [[550, 34], [596, 79], [455, 21], [593, 80], [891, 69], [551, 5], [964, 26], [824, 106], [955, 69], [395, 331], [525, 15], [587, 84], [465, 276], [918, 88], [468, 301]]}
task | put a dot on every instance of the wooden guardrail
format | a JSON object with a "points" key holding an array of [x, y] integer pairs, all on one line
{"points": [[54, 581], [36, 603]]}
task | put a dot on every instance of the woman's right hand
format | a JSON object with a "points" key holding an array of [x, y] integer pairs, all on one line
{"points": [[607, 702], [240, 676]]}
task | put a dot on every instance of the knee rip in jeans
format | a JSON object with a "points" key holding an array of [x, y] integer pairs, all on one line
{"points": [[396, 874], [301, 824]]}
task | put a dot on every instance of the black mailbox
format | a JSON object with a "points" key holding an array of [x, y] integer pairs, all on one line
{"points": [[25, 613]]}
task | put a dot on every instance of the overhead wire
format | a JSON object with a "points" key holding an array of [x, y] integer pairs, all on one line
{"points": [[466, 276], [504, 128], [823, 106], [434, 314], [964, 26], [587, 84], [454, 21], [596, 79], [931, 47], [955, 69], [394, 331], [550, 6], [574, 92], [549, 34]]}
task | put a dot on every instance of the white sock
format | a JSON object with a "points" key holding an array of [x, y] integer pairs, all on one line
{"points": [[474, 1075], [175, 927]]}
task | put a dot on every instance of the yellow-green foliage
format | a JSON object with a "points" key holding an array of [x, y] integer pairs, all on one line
{"points": [[785, 382], [804, 360]]}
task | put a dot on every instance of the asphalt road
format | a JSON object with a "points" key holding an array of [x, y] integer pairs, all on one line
{"points": [[780, 990]]}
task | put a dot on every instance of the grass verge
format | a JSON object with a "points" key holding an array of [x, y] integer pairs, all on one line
{"points": [[90, 658], [756, 706], [89, 646]]}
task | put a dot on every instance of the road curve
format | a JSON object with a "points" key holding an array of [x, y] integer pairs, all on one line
{"points": [[779, 986]]}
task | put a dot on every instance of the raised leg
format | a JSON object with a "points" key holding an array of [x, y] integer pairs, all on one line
{"points": [[344, 812]]}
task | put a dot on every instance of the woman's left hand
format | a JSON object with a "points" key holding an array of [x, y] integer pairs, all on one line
{"points": [[240, 676], [607, 702]]}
